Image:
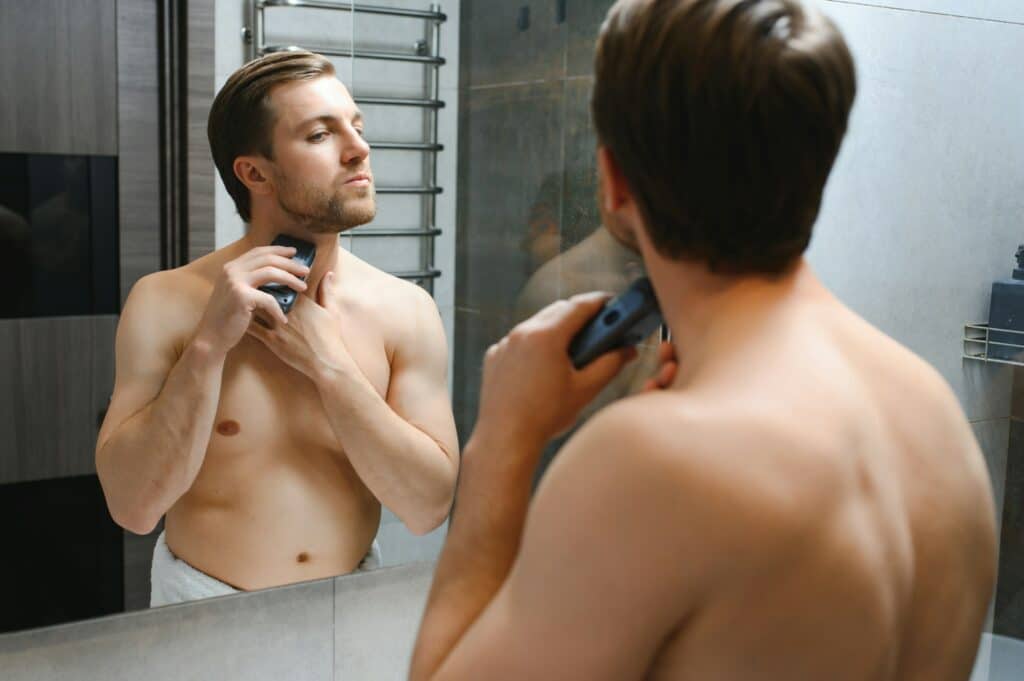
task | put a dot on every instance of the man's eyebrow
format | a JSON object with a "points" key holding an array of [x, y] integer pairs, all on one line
{"points": [[322, 118], [328, 118]]}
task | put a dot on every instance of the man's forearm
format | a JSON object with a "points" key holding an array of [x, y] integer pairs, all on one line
{"points": [[406, 469], [154, 456], [483, 540]]}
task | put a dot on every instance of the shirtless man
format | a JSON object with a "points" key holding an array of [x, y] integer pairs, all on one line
{"points": [[804, 499], [271, 446]]}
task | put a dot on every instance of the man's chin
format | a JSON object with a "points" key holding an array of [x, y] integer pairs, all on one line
{"points": [[354, 216]]}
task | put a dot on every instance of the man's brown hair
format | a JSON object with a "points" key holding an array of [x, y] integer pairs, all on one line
{"points": [[242, 119], [725, 117]]}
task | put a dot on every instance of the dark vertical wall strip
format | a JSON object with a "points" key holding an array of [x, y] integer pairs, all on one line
{"points": [[200, 85], [105, 251], [140, 151], [173, 132]]}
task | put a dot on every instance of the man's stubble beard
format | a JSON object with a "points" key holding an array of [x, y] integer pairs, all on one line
{"points": [[323, 213]]}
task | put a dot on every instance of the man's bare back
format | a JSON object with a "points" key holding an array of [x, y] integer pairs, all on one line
{"points": [[834, 475], [808, 503]]}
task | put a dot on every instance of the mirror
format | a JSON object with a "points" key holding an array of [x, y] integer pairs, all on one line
{"points": [[488, 203]]}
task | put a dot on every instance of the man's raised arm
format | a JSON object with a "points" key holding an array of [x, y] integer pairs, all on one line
{"points": [[157, 428]]}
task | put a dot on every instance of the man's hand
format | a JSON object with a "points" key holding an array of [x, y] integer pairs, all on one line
{"points": [[311, 343], [236, 295], [530, 388], [668, 366]]}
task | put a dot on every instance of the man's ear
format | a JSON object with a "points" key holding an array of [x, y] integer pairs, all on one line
{"points": [[614, 189], [253, 172]]}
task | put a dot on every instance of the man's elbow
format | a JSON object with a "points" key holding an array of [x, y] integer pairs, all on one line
{"points": [[135, 522], [428, 520], [132, 516]]}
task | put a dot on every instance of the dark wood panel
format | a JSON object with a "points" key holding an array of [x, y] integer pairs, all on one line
{"points": [[92, 45], [59, 373], [58, 56], [200, 97], [138, 104]]}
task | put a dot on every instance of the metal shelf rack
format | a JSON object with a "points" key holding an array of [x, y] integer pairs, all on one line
{"points": [[427, 53], [978, 345]]}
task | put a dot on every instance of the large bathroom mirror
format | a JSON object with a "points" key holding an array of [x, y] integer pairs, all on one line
{"points": [[485, 198], [477, 117]]}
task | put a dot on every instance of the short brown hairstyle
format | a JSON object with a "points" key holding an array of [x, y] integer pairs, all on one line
{"points": [[242, 120], [725, 117]]}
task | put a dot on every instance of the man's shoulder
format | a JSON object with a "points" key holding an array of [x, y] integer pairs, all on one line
{"points": [[388, 289], [729, 467]]}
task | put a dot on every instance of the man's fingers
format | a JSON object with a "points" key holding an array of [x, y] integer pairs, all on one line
{"points": [[569, 316], [667, 374], [263, 251], [325, 294], [266, 303], [602, 370], [270, 260], [666, 352], [269, 274]]}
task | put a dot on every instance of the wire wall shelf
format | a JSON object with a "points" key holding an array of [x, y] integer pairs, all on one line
{"points": [[984, 343]]}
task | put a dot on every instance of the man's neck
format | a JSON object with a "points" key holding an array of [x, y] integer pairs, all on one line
{"points": [[711, 316], [263, 232]]}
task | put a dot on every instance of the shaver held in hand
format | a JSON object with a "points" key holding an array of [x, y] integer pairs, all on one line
{"points": [[305, 252], [625, 320]]}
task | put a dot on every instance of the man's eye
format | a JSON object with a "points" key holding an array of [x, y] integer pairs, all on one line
{"points": [[318, 137], [361, 132]]}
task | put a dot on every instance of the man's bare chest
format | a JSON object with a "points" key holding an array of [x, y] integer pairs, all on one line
{"points": [[266, 403]]}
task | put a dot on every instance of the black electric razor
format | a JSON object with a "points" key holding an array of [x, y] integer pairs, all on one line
{"points": [[305, 252], [626, 319]]}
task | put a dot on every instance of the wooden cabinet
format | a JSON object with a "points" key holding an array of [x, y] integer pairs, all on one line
{"points": [[58, 76]]}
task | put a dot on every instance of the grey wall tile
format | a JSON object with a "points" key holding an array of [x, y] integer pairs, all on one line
{"points": [[376, 619], [470, 343], [585, 18], [511, 163], [995, 10], [1007, 659], [494, 50], [580, 215], [284, 633], [398, 546], [923, 208]]}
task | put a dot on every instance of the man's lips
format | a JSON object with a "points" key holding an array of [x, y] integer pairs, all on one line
{"points": [[359, 180]]}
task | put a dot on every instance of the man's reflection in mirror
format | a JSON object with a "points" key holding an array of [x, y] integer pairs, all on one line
{"points": [[597, 262], [269, 441]]}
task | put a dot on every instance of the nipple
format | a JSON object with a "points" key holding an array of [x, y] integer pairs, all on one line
{"points": [[228, 427]]}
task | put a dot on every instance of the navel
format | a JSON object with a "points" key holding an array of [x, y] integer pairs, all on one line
{"points": [[228, 427], [302, 557]]}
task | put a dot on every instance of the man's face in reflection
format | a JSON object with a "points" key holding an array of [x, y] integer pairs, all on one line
{"points": [[321, 165]]}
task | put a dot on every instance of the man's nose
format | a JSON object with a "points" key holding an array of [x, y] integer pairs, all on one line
{"points": [[355, 148]]}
